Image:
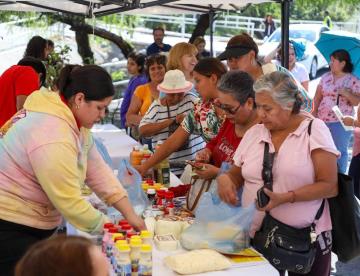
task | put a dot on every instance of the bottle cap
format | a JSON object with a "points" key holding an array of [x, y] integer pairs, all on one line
{"points": [[146, 155], [119, 239], [121, 242], [145, 234], [130, 234], [151, 191], [169, 195], [113, 230], [146, 248], [135, 237], [117, 235], [123, 222], [126, 227], [108, 225], [135, 242], [123, 247]]}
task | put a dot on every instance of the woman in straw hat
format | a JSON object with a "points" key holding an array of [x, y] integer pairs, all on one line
{"points": [[165, 114]]}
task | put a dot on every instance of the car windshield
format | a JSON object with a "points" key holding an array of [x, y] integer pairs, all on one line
{"points": [[294, 34]]}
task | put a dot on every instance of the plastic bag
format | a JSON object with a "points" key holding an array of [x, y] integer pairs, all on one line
{"points": [[219, 226], [131, 181], [103, 152]]}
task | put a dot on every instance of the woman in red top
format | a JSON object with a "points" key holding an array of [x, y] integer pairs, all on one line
{"points": [[236, 98]]}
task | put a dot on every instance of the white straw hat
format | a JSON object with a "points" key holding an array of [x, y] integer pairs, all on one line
{"points": [[174, 82]]}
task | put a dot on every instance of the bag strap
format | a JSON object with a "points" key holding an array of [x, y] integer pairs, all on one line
{"points": [[193, 206], [321, 209], [266, 173]]}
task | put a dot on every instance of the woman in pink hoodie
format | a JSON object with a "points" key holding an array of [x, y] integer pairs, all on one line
{"points": [[47, 154]]}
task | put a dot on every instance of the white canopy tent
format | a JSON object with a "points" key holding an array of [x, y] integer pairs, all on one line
{"points": [[105, 7]]}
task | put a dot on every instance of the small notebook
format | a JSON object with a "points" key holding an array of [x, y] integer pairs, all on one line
{"points": [[340, 116]]}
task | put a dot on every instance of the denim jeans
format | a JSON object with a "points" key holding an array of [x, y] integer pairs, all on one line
{"points": [[341, 139]]}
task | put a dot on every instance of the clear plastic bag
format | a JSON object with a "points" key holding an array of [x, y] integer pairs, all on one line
{"points": [[103, 152], [219, 226], [131, 181]]}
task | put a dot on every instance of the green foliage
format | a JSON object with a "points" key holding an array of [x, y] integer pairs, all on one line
{"points": [[55, 62], [118, 75], [308, 9]]}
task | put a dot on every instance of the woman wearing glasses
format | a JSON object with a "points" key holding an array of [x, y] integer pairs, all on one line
{"points": [[237, 99], [205, 119]]}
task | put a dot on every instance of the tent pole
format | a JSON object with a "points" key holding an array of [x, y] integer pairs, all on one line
{"points": [[211, 25], [285, 19]]}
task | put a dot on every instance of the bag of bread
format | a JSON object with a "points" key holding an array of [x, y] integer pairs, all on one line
{"points": [[197, 261], [220, 226]]}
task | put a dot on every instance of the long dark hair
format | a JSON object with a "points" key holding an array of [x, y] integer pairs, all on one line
{"points": [[36, 48], [61, 255], [343, 55], [139, 60], [92, 80]]}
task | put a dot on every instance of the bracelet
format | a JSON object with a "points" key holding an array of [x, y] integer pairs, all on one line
{"points": [[293, 196]]}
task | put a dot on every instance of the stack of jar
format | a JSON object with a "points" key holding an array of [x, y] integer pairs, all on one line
{"points": [[129, 254]]}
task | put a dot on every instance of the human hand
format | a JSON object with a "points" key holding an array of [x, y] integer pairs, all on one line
{"points": [[348, 120], [179, 118], [140, 169], [227, 190], [275, 200], [203, 156], [207, 171], [345, 92], [137, 223]]}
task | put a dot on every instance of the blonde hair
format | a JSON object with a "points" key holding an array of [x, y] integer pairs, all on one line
{"points": [[177, 52]]}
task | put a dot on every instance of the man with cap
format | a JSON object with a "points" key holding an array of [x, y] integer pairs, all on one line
{"points": [[241, 53]]}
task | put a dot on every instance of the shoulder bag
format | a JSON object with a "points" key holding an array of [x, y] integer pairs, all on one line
{"points": [[285, 247], [345, 219]]}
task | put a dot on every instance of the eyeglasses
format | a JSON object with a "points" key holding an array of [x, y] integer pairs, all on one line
{"points": [[226, 108]]}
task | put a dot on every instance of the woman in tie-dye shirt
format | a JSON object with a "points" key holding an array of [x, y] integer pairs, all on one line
{"points": [[47, 154]]}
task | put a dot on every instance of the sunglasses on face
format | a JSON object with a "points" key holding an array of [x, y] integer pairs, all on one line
{"points": [[226, 108]]}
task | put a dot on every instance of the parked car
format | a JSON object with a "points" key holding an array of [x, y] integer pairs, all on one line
{"points": [[305, 33]]}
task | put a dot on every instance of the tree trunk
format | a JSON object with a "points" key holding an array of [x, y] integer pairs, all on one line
{"points": [[81, 28], [201, 26], [84, 49]]}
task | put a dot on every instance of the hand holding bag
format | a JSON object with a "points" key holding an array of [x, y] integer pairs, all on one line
{"points": [[284, 246]]}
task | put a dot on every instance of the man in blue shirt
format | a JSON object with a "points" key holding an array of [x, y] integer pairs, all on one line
{"points": [[158, 45]]}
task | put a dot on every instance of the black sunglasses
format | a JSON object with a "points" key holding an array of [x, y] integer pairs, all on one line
{"points": [[227, 109]]}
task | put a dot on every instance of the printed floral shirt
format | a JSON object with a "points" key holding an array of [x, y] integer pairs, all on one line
{"points": [[330, 89], [202, 120]]}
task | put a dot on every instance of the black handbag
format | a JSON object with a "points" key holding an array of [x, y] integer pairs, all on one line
{"points": [[345, 219], [285, 247]]}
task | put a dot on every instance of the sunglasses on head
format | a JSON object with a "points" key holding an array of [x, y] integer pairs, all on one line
{"points": [[227, 109]]}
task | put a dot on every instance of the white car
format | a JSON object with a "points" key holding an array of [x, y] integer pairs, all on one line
{"points": [[309, 34]]}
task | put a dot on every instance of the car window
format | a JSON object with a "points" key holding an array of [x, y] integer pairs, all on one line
{"points": [[309, 35]]}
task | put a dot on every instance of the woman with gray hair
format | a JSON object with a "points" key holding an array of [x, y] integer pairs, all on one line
{"points": [[303, 170], [237, 99]]}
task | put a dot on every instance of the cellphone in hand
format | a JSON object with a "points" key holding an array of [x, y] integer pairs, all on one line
{"points": [[262, 198], [194, 164]]}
